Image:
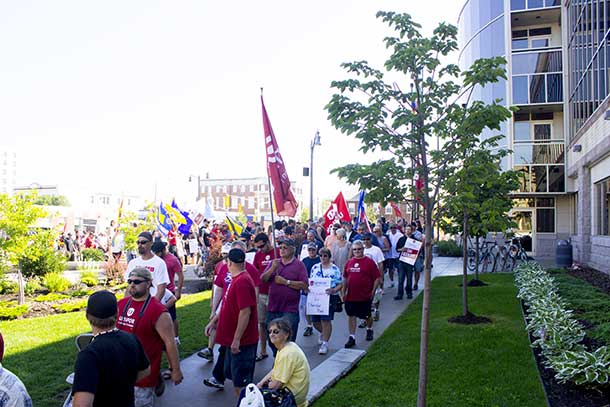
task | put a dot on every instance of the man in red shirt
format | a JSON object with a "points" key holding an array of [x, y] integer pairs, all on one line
{"points": [[174, 268], [265, 253], [236, 325], [144, 316], [362, 277]]}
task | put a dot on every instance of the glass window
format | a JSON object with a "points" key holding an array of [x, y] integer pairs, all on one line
{"points": [[520, 43], [534, 3], [545, 202], [542, 132], [522, 131], [517, 4], [539, 178], [554, 88], [545, 220], [524, 178], [523, 203], [603, 207], [537, 62], [537, 89], [557, 178], [520, 90], [540, 42], [538, 154]]}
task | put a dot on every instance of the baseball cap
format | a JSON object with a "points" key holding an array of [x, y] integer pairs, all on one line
{"points": [[146, 235], [226, 248], [287, 242], [367, 235], [102, 304], [158, 246], [237, 256], [312, 245], [141, 272]]}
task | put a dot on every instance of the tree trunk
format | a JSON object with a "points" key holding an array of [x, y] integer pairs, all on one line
{"points": [[425, 319], [465, 267], [21, 299], [476, 258]]}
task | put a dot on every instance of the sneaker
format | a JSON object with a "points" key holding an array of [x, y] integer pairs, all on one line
{"points": [[160, 388], [369, 334], [362, 324], [212, 382], [376, 315], [207, 354], [324, 348], [177, 340], [415, 287], [308, 331], [320, 340], [351, 342]]}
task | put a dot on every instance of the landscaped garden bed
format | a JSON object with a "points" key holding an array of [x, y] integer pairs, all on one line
{"points": [[568, 315]]}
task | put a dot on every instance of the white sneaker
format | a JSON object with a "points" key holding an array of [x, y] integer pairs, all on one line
{"points": [[323, 349], [177, 340], [320, 340]]}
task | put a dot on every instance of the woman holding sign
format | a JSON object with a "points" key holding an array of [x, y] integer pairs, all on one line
{"points": [[323, 323]]}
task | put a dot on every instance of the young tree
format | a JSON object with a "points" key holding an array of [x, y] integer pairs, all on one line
{"points": [[478, 200], [400, 123], [18, 214]]}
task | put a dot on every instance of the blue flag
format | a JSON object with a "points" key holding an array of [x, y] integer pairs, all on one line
{"points": [[163, 222], [361, 213], [184, 228]]}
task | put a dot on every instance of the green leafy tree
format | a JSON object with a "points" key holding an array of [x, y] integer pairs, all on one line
{"points": [[17, 217], [40, 257], [304, 215], [131, 226], [478, 200], [52, 200], [401, 123]]}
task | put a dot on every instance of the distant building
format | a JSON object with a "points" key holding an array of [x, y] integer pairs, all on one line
{"points": [[40, 190], [247, 195]]}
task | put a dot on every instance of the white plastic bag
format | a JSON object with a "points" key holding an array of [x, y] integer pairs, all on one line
{"points": [[253, 397]]}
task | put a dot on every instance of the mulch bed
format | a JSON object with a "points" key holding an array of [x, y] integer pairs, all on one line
{"points": [[569, 394], [469, 319]]}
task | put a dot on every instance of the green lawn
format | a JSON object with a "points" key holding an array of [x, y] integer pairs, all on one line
{"points": [[482, 365], [588, 303], [41, 351]]}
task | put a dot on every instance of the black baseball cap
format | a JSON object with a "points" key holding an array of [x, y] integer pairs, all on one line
{"points": [[158, 246], [237, 255], [102, 304]]}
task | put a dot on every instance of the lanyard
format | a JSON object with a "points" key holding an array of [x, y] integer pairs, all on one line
{"points": [[139, 314]]}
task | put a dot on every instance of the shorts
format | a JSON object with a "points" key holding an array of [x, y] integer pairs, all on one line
{"points": [[359, 309], [172, 312], [144, 396], [263, 302], [239, 367]]}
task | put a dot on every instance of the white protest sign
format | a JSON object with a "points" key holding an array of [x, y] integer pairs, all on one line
{"points": [[410, 251], [318, 301]]}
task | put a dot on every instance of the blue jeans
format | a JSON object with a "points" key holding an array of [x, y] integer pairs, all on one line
{"points": [[293, 319], [405, 270]]}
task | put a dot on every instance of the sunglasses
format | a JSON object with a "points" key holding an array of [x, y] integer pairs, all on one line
{"points": [[274, 331], [142, 242], [135, 282]]}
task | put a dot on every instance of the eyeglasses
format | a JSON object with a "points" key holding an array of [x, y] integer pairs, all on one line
{"points": [[311, 249], [135, 282], [274, 331], [142, 242]]}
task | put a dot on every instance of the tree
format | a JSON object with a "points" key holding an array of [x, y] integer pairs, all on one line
{"points": [[304, 215], [131, 226], [401, 123], [478, 201], [17, 217], [51, 200]]}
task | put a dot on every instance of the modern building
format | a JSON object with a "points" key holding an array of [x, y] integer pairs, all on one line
{"points": [[249, 196], [558, 69]]}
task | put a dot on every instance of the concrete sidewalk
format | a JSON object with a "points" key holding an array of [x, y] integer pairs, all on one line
{"points": [[192, 391]]}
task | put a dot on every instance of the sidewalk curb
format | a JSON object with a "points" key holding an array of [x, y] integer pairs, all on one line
{"points": [[329, 372]]}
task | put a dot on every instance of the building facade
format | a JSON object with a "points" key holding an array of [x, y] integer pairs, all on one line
{"points": [[249, 196], [558, 68]]}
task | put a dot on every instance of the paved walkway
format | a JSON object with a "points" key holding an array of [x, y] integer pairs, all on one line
{"points": [[192, 392]]}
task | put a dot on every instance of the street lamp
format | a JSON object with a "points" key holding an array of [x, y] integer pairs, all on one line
{"points": [[198, 185], [314, 142]]}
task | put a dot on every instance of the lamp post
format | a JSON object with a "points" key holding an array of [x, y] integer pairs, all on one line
{"points": [[314, 142], [198, 186]]}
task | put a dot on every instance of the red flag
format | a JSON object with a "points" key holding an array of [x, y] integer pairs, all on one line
{"points": [[285, 203], [396, 209], [419, 183], [337, 212]]}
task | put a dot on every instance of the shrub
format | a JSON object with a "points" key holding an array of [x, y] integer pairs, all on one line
{"points": [[81, 292], [32, 285], [55, 282], [8, 287], [448, 248], [40, 257], [10, 310], [51, 297], [71, 306], [89, 278], [92, 255], [115, 272]]}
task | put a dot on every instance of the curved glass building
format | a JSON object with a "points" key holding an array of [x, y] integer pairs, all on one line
{"points": [[558, 69]]}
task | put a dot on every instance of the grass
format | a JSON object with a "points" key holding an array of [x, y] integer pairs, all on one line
{"points": [[588, 303], [41, 351], [481, 365]]}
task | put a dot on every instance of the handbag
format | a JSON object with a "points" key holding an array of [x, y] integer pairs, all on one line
{"points": [[336, 303], [278, 397]]}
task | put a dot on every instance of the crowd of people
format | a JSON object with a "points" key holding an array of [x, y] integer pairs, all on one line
{"points": [[258, 306]]}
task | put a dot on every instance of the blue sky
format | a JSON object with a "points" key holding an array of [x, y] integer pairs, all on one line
{"points": [[116, 96]]}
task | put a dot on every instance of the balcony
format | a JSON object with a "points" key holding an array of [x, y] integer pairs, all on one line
{"points": [[521, 5], [534, 12], [537, 77]]}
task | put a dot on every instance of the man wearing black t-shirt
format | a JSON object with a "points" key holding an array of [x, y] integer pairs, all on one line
{"points": [[107, 369]]}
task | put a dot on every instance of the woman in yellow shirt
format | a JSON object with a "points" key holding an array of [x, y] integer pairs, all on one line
{"points": [[290, 368]]}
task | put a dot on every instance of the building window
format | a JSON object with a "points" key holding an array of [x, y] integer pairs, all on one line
{"points": [[250, 202], [545, 215], [603, 206]]}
